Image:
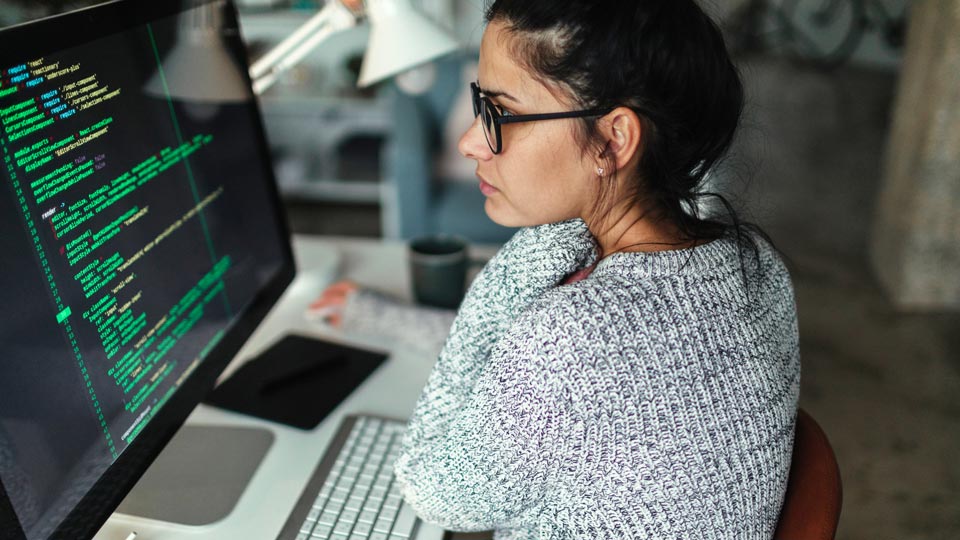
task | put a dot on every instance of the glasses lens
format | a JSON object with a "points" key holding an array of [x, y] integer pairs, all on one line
{"points": [[476, 99], [489, 125]]}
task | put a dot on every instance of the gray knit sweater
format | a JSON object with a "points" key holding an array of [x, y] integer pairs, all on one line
{"points": [[654, 399]]}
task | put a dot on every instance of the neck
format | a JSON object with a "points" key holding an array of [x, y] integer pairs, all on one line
{"points": [[635, 229]]}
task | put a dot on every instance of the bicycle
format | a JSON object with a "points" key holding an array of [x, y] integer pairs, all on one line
{"points": [[824, 33]]}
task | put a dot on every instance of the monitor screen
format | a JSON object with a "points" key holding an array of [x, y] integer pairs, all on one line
{"points": [[142, 242]]}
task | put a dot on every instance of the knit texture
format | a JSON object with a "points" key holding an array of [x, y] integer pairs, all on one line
{"points": [[654, 399]]}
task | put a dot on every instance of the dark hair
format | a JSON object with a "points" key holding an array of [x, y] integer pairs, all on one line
{"points": [[664, 59]]}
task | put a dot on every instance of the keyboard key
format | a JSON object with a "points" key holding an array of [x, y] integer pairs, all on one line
{"points": [[383, 525], [343, 527], [360, 491], [327, 518], [363, 528], [405, 522], [340, 495], [360, 498], [364, 482], [322, 531], [388, 513]]}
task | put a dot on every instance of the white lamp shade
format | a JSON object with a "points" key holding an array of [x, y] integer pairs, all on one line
{"points": [[200, 69], [400, 38]]}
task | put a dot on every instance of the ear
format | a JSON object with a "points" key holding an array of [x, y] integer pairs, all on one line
{"points": [[622, 129]]}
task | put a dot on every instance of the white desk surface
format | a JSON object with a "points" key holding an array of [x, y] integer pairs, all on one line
{"points": [[392, 391]]}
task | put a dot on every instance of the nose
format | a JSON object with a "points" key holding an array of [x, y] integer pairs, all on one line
{"points": [[473, 143]]}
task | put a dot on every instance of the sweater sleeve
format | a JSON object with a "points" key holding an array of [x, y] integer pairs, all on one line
{"points": [[370, 313], [489, 466], [533, 262]]}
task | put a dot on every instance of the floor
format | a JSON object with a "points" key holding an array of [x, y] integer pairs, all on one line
{"points": [[882, 384]]}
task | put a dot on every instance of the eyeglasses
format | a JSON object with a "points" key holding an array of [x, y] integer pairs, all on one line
{"points": [[493, 119]]}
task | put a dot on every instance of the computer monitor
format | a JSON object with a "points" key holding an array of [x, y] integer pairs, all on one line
{"points": [[142, 241]]}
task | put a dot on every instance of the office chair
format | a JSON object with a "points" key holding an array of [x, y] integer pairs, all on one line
{"points": [[811, 507]]}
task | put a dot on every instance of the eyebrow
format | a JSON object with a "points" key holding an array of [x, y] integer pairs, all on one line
{"points": [[496, 93]]}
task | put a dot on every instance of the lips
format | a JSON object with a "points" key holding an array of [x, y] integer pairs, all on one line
{"points": [[486, 188]]}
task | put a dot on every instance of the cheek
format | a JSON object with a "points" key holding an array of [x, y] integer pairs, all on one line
{"points": [[537, 149], [543, 175]]}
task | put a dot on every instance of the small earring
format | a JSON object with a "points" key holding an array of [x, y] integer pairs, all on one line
{"points": [[599, 171]]}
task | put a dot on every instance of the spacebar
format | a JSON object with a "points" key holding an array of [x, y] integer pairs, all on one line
{"points": [[403, 526]]}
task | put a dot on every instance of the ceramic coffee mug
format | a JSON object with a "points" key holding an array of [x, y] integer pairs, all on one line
{"points": [[438, 268]]}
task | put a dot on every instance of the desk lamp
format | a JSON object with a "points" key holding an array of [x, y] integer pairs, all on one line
{"points": [[400, 39]]}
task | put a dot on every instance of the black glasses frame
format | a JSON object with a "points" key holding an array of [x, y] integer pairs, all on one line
{"points": [[494, 119]]}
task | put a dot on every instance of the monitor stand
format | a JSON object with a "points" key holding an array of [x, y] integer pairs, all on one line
{"points": [[200, 475], [203, 471]]}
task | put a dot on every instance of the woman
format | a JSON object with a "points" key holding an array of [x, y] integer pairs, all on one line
{"points": [[623, 368]]}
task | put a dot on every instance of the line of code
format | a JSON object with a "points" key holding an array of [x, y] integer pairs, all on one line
{"points": [[12, 81], [58, 126]]}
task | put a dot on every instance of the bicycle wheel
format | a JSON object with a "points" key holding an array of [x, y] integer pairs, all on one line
{"points": [[824, 32]]}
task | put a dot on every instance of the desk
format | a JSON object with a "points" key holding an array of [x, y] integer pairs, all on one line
{"points": [[392, 390]]}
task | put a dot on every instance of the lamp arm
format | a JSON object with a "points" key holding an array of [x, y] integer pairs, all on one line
{"points": [[332, 18], [261, 84]]}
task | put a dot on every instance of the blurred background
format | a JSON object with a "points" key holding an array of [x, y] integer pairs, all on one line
{"points": [[848, 155]]}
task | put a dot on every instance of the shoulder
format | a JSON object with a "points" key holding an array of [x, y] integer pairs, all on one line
{"points": [[573, 305], [576, 321], [766, 279]]}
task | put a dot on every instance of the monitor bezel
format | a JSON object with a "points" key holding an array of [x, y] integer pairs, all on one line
{"points": [[48, 35]]}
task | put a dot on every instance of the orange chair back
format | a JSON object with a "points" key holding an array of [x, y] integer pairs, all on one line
{"points": [[811, 508]]}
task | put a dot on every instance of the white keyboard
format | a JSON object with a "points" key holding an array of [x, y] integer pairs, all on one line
{"points": [[353, 494]]}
